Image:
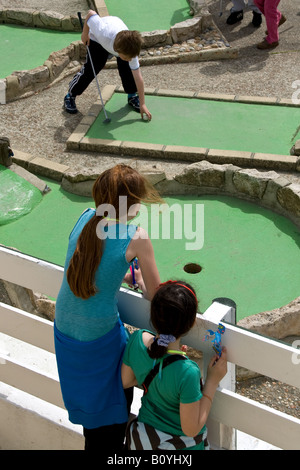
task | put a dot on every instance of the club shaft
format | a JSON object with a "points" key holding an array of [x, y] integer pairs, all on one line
{"points": [[97, 83], [93, 68]]}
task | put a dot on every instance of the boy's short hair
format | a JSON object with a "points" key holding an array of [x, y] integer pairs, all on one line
{"points": [[128, 43]]}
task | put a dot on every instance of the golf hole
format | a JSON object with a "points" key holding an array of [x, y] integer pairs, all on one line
{"points": [[192, 268]]}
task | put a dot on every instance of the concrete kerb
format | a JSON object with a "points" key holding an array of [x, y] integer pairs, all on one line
{"points": [[40, 166], [79, 141], [265, 188], [39, 19]]}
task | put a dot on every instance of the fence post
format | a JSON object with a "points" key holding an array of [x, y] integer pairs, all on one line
{"points": [[220, 435]]}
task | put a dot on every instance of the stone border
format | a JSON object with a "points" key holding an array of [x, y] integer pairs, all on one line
{"points": [[59, 65], [39, 19], [201, 19], [265, 188], [78, 141], [68, 61]]}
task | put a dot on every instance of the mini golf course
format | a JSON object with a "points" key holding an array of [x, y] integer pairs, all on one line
{"points": [[249, 254], [148, 15], [198, 123], [26, 48]]}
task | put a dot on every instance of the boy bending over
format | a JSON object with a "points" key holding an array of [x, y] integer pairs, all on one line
{"points": [[105, 37]]}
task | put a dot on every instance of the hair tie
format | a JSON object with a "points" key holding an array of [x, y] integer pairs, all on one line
{"points": [[165, 340]]}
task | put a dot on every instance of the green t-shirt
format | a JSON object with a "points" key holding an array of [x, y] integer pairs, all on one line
{"points": [[178, 383]]}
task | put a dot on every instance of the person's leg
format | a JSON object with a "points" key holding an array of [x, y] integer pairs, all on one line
{"points": [[272, 19], [109, 439], [129, 398], [85, 76], [126, 76], [257, 15], [260, 5], [253, 7], [236, 12], [128, 83], [238, 5]]}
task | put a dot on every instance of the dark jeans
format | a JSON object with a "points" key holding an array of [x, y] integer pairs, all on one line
{"points": [[99, 57], [109, 439]]}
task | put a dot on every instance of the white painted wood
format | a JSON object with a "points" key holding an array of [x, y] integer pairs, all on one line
{"points": [[266, 356], [29, 380], [256, 419], [26, 327], [216, 312], [30, 272], [261, 354]]}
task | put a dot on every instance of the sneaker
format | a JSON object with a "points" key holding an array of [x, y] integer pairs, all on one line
{"points": [[69, 104], [257, 19], [267, 45], [235, 16], [281, 21], [135, 103]]}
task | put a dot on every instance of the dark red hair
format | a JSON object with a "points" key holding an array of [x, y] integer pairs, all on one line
{"points": [[173, 312]]}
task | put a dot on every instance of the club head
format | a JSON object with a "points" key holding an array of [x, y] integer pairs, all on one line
{"points": [[107, 121]]}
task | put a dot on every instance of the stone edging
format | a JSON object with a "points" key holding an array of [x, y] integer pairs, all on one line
{"points": [[67, 61], [59, 65], [78, 141], [265, 188], [39, 19]]}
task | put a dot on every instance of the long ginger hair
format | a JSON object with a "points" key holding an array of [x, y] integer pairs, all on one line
{"points": [[121, 180]]}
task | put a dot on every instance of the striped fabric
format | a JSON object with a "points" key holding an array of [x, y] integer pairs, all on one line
{"points": [[76, 79], [141, 436]]}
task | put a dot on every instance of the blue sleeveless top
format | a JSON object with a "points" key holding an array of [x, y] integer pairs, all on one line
{"points": [[89, 337], [89, 319]]}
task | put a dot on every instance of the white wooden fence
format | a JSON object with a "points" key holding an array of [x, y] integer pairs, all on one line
{"points": [[230, 411]]}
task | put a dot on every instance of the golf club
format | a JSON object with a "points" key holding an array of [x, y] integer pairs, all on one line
{"points": [[107, 119]]}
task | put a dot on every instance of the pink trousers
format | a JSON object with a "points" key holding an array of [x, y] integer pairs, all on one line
{"points": [[272, 15]]}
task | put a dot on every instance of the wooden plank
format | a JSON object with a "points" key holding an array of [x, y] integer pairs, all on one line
{"points": [[228, 408], [262, 354], [29, 380], [32, 273], [26, 327], [256, 419]]}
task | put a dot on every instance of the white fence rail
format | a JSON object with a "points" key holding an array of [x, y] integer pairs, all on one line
{"points": [[246, 349]]}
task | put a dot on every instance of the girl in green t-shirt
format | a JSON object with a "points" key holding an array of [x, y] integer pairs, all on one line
{"points": [[174, 408]]}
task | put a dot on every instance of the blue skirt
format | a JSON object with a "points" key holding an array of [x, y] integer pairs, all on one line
{"points": [[90, 377]]}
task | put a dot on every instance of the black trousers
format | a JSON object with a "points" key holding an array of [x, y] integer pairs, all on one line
{"points": [[99, 57], [108, 439]]}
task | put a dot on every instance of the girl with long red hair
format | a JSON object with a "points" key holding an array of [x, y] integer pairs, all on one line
{"points": [[89, 337]]}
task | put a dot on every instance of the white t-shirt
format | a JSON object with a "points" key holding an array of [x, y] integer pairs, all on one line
{"points": [[104, 30]]}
